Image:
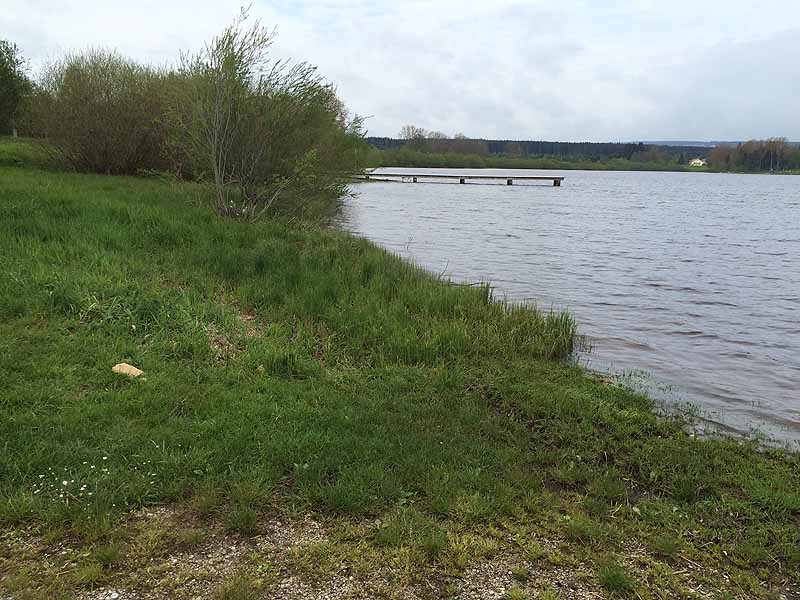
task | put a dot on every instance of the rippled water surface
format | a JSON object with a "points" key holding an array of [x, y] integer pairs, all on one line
{"points": [[691, 278]]}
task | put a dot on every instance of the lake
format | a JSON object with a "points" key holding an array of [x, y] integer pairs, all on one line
{"points": [[685, 284]]}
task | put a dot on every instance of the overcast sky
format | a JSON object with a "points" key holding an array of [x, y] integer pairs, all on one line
{"points": [[568, 70]]}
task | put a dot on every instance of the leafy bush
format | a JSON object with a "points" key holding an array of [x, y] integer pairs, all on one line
{"points": [[272, 137], [103, 113], [257, 127], [14, 86]]}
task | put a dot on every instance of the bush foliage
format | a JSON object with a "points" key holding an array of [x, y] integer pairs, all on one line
{"points": [[270, 135], [103, 112], [258, 127], [14, 86]]}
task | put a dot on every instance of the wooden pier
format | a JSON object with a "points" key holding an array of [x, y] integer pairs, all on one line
{"points": [[462, 178]]}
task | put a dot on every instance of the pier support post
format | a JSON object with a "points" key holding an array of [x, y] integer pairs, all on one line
{"points": [[556, 182]]}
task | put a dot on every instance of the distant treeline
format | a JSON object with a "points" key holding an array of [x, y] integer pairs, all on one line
{"points": [[774, 154], [405, 157], [418, 139], [417, 147]]}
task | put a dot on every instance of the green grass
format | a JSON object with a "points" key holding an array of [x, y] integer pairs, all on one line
{"points": [[615, 579], [410, 528], [521, 574], [666, 546], [291, 367], [15, 152], [548, 594], [342, 342], [516, 593], [242, 519], [237, 587]]}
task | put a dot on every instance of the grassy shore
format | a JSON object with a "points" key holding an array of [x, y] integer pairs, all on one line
{"points": [[317, 415]]}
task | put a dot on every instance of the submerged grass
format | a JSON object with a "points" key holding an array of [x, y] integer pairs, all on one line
{"points": [[293, 366]]}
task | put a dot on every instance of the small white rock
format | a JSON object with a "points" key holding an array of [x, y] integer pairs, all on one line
{"points": [[126, 369]]}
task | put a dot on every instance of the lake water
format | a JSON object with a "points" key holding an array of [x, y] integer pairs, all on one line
{"points": [[687, 283]]}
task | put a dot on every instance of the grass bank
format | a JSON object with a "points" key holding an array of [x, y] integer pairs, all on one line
{"points": [[328, 415]]}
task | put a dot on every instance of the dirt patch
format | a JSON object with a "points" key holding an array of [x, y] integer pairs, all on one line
{"points": [[219, 343], [492, 580], [250, 323], [173, 552], [224, 345], [282, 534]]}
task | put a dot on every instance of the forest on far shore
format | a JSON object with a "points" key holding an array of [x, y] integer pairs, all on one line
{"points": [[416, 146]]}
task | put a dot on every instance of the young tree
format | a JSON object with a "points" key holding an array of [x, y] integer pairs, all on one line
{"points": [[778, 148], [415, 137], [14, 85], [412, 132], [254, 125]]}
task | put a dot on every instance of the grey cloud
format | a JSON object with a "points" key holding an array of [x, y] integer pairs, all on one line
{"points": [[734, 90], [574, 70]]}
